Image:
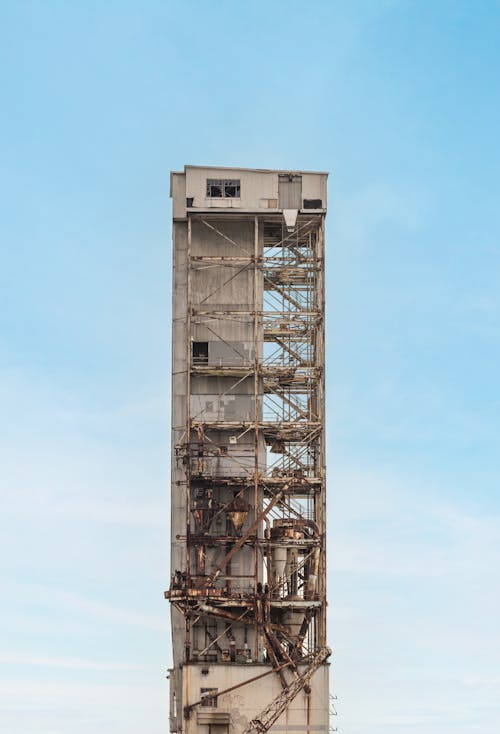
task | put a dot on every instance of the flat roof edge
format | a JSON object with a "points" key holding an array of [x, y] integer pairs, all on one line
{"points": [[254, 170]]}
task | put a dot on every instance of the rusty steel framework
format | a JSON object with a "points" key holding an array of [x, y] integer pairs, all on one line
{"points": [[249, 459], [275, 708]]}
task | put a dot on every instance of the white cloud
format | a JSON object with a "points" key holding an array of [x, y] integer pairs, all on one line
{"points": [[59, 705], [68, 602], [24, 659]]}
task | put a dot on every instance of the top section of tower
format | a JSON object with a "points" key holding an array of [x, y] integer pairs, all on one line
{"points": [[246, 190]]}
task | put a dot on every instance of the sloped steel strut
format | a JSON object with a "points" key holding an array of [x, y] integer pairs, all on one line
{"points": [[260, 516], [273, 710]]}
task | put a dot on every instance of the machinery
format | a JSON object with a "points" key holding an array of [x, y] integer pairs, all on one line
{"points": [[248, 496]]}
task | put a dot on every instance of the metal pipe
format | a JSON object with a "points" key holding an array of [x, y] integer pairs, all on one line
{"points": [[260, 516]]}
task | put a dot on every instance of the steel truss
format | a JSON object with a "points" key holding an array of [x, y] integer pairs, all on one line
{"points": [[272, 490]]}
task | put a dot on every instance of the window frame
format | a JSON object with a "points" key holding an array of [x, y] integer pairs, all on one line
{"points": [[224, 185], [199, 354], [208, 697]]}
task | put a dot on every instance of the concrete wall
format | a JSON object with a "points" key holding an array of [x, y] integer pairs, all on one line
{"points": [[306, 714], [178, 492], [218, 287], [259, 188]]}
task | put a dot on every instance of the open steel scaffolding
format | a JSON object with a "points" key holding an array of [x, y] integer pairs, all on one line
{"points": [[252, 586]]}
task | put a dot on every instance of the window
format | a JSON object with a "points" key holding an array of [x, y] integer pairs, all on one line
{"points": [[200, 352], [208, 697], [221, 188], [313, 204]]}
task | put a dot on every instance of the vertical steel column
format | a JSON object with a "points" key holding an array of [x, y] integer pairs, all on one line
{"points": [[320, 361], [256, 410], [188, 422]]}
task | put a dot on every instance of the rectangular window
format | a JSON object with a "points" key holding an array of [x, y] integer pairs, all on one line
{"points": [[208, 697], [313, 204], [221, 188], [232, 188], [200, 352]]}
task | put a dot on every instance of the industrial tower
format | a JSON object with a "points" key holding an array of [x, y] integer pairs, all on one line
{"points": [[248, 560]]}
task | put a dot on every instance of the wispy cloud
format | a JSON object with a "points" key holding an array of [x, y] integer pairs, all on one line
{"points": [[70, 602], [62, 704], [410, 532], [25, 659]]}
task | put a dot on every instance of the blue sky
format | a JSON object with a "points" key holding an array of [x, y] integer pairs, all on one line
{"points": [[398, 99]]}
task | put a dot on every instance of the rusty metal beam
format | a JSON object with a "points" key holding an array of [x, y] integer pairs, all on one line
{"points": [[259, 518], [190, 706]]}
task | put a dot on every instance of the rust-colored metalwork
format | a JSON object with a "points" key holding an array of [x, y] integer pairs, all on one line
{"points": [[273, 711], [251, 458]]}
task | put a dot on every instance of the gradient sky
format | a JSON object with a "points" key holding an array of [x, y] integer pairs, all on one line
{"points": [[399, 100]]}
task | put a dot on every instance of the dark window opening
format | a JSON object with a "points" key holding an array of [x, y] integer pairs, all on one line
{"points": [[200, 352], [208, 697], [220, 188], [313, 204], [214, 187], [232, 188]]}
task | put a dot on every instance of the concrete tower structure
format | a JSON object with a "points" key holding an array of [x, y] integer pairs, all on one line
{"points": [[248, 573]]}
